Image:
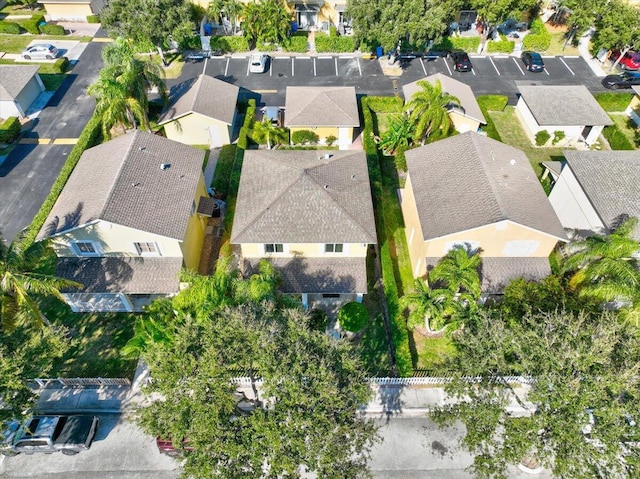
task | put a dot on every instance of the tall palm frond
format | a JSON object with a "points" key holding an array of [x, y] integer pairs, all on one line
{"points": [[429, 111]]}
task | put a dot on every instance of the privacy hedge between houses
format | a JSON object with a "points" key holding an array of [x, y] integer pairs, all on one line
{"points": [[9, 129]]}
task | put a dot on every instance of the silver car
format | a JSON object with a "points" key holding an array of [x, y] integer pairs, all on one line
{"points": [[40, 51], [258, 63]]}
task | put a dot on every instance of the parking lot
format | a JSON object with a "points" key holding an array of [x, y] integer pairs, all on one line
{"points": [[495, 74]]}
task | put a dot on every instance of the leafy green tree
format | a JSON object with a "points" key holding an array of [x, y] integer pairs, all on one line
{"points": [[577, 363], [265, 131], [149, 23], [493, 12], [398, 137], [604, 267], [458, 271], [305, 404], [22, 282], [617, 27], [428, 111], [430, 308], [266, 21]]}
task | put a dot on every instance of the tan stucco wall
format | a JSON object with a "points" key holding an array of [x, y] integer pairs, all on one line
{"points": [[463, 123], [114, 240], [413, 230], [309, 250], [193, 129], [74, 11], [194, 236], [633, 110]]}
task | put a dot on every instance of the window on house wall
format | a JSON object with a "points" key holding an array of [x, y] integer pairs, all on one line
{"points": [[86, 248], [274, 248], [147, 248], [333, 248]]}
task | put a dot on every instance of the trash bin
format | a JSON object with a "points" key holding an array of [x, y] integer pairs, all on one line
{"points": [[379, 52], [208, 28], [294, 27]]}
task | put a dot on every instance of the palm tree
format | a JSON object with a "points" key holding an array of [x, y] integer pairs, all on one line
{"points": [[20, 284], [267, 131], [604, 267], [430, 307], [232, 9], [398, 136], [428, 111], [458, 273]]}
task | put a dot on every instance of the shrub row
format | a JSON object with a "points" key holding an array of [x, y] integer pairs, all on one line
{"points": [[245, 131], [542, 137], [31, 25], [467, 44], [296, 44], [266, 46], [399, 333], [223, 169], [9, 129], [538, 39], [617, 140], [334, 44], [230, 44], [501, 46], [51, 29], [9, 27], [93, 19], [304, 137], [89, 137]]}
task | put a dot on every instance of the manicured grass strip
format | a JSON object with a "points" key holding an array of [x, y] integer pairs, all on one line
{"points": [[52, 82], [224, 166], [489, 103], [612, 102]]}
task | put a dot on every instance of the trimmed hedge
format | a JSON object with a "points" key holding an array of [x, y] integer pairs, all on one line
{"points": [[304, 137], [334, 44], [353, 316], [61, 65], [617, 140], [93, 19], [245, 131], [558, 136], [539, 38], [51, 29], [230, 44], [89, 137], [296, 44], [32, 24], [542, 137], [9, 129], [467, 44], [266, 47], [9, 27], [501, 46]]}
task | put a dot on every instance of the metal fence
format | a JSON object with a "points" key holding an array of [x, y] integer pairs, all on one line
{"points": [[244, 381], [52, 383]]}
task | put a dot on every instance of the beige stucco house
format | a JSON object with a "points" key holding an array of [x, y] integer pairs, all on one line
{"points": [[310, 214], [126, 222], [327, 111], [633, 110], [468, 116], [476, 192], [72, 10], [203, 112], [571, 109], [595, 190], [20, 85]]}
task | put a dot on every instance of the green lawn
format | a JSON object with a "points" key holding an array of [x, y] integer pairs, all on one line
{"points": [[433, 353], [17, 43], [51, 81], [559, 46], [19, 9]]}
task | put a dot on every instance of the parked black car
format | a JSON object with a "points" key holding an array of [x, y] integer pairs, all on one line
{"points": [[461, 61], [532, 61], [624, 80]]}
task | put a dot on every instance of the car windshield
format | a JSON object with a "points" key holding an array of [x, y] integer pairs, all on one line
{"points": [[536, 59], [256, 61]]}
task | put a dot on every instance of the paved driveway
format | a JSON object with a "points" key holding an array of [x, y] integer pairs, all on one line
{"points": [[27, 175]]}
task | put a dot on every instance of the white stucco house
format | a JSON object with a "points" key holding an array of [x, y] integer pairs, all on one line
{"points": [[571, 109], [20, 85]]}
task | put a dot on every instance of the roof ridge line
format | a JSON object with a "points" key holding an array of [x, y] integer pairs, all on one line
{"points": [[199, 81], [117, 177], [489, 181]]}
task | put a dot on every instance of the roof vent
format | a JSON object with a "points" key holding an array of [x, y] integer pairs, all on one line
{"points": [[134, 184], [164, 166], [327, 156], [353, 177], [141, 148], [326, 187], [512, 162]]}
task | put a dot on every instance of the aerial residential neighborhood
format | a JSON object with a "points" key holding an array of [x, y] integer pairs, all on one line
{"points": [[275, 238]]}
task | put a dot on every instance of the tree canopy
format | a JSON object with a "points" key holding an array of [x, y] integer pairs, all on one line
{"points": [[305, 415], [583, 398]]}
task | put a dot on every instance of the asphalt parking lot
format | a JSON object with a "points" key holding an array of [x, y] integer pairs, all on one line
{"points": [[491, 74]]}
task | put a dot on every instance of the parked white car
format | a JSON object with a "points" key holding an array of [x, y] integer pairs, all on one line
{"points": [[40, 51], [258, 63]]}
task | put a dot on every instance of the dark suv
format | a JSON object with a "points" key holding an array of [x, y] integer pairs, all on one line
{"points": [[533, 61], [461, 61], [624, 80]]}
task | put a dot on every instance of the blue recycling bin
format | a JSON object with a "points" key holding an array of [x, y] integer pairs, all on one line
{"points": [[208, 28], [379, 52], [294, 27]]}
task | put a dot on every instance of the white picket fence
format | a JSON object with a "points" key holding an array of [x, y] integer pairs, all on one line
{"points": [[412, 381], [53, 383]]}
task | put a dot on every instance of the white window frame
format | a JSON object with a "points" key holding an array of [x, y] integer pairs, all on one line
{"points": [[275, 245], [96, 248], [333, 246], [139, 251]]}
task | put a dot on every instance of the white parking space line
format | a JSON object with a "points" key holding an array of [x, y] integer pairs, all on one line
{"points": [[314, 67], [347, 57], [293, 61], [248, 65], [325, 57], [546, 71], [336, 61], [303, 58], [359, 69], [226, 68], [282, 58], [423, 68], [518, 65], [447, 65], [572, 56], [494, 66], [473, 71], [270, 68]]}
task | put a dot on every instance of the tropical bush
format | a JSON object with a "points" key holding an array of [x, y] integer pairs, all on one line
{"points": [[558, 136], [538, 39], [245, 131], [353, 316], [318, 320], [31, 25], [334, 44], [542, 137], [230, 44], [9, 129], [303, 137], [93, 19], [51, 29], [330, 140], [296, 44], [9, 27], [467, 44], [266, 46], [501, 46]]}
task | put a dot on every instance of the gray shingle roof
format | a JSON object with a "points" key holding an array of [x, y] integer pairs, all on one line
{"points": [[320, 275], [125, 274], [496, 273], [610, 180], [206, 95], [13, 78], [294, 196], [453, 87], [469, 180], [321, 106], [121, 182], [563, 105]]}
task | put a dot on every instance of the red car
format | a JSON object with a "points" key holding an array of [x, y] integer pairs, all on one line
{"points": [[166, 446], [630, 60]]}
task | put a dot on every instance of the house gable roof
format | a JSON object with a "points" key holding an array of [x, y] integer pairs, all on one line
{"points": [[207, 96], [563, 105], [122, 182], [321, 106], [304, 197], [468, 181], [453, 87], [610, 181], [13, 79]]}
